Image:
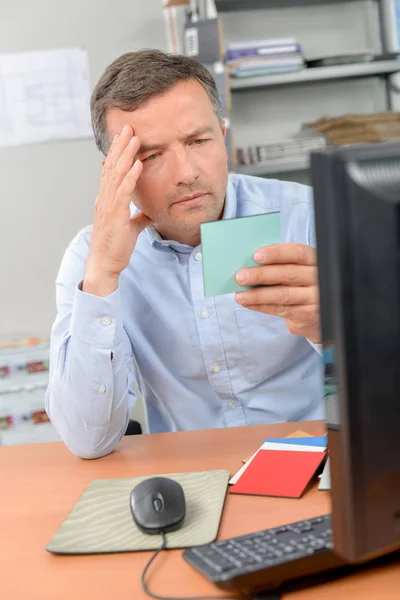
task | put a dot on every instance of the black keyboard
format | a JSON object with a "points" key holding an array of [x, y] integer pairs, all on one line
{"points": [[267, 559]]}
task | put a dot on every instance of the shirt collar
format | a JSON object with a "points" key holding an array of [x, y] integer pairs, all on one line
{"points": [[158, 243]]}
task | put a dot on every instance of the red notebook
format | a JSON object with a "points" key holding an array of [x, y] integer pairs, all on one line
{"points": [[279, 473]]}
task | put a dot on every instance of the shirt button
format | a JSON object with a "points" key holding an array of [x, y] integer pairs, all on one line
{"points": [[216, 368], [101, 388], [106, 321], [231, 404], [205, 314], [198, 256]]}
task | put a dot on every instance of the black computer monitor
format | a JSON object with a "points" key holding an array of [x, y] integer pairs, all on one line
{"points": [[357, 212]]}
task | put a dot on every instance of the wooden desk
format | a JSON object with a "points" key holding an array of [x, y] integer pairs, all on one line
{"points": [[39, 485]]}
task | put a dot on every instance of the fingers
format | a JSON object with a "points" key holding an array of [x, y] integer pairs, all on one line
{"points": [[279, 295], [298, 254], [118, 148], [301, 316], [289, 274], [118, 144], [117, 166], [124, 193], [122, 166]]}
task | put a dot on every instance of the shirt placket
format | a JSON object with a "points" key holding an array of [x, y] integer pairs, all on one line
{"points": [[211, 344]]}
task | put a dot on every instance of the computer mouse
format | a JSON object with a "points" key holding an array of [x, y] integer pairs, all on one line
{"points": [[158, 504]]}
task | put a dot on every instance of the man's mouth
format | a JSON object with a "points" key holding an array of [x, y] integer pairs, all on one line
{"points": [[191, 199]]}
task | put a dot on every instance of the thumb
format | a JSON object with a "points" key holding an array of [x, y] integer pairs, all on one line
{"points": [[141, 221]]}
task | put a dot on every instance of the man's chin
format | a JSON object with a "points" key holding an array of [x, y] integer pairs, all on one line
{"points": [[189, 221]]}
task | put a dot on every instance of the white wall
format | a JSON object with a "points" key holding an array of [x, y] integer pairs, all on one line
{"points": [[47, 191]]}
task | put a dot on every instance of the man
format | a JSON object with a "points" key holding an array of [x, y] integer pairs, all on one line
{"points": [[130, 300]]}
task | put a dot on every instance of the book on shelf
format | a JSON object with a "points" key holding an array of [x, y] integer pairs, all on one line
{"points": [[261, 51], [263, 57], [294, 147], [272, 70], [247, 68], [265, 43]]}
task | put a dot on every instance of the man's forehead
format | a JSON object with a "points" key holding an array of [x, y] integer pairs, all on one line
{"points": [[153, 134], [181, 107], [116, 119]]}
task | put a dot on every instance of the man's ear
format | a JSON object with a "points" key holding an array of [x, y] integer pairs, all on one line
{"points": [[223, 127]]}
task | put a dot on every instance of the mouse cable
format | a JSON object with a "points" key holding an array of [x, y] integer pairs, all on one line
{"points": [[157, 597]]}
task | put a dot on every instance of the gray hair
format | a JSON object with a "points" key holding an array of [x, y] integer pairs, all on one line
{"points": [[135, 77]]}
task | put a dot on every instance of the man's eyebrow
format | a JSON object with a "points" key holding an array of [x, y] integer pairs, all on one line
{"points": [[199, 131], [149, 147], [144, 148]]}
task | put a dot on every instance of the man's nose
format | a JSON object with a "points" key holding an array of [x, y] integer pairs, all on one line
{"points": [[185, 170]]}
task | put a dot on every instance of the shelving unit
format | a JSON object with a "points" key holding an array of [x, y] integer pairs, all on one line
{"points": [[234, 5], [275, 166], [23, 382], [371, 69], [383, 70]]}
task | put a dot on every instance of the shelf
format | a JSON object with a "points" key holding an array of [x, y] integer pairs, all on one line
{"points": [[371, 69], [275, 166], [232, 5]]}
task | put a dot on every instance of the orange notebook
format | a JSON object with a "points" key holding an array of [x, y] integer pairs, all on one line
{"points": [[279, 473]]}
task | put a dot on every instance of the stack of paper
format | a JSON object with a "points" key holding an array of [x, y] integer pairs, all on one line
{"points": [[263, 57], [325, 478], [281, 466]]}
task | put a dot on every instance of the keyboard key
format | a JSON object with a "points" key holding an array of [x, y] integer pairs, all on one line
{"points": [[248, 542], [281, 529], [263, 550], [295, 529], [223, 564], [318, 520], [254, 548], [299, 545], [229, 548], [274, 541], [317, 544], [263, 535], [329, 545], [249, 560]]}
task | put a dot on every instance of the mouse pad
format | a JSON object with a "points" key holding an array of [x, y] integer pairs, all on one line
{"points": [[101, 520]]}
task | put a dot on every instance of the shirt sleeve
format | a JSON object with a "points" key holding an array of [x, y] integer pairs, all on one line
{"points": [[92, 367]]}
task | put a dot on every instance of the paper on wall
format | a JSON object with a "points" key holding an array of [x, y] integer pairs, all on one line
{"points": [[44, 95]]}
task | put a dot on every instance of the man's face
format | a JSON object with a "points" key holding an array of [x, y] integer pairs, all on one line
{"points": [[183, 154]]}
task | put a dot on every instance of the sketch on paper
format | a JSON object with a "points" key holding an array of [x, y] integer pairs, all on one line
{"points": [[44, 95]]}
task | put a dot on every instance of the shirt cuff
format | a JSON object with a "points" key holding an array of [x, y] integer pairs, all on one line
{"points": [[97, 320], [317, 347]]}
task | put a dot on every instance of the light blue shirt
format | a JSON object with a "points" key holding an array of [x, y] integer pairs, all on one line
{"points": [[198, 362]]}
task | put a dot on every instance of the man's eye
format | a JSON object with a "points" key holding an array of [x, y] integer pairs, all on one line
{"points": [[199, 142], [152, 157]]}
